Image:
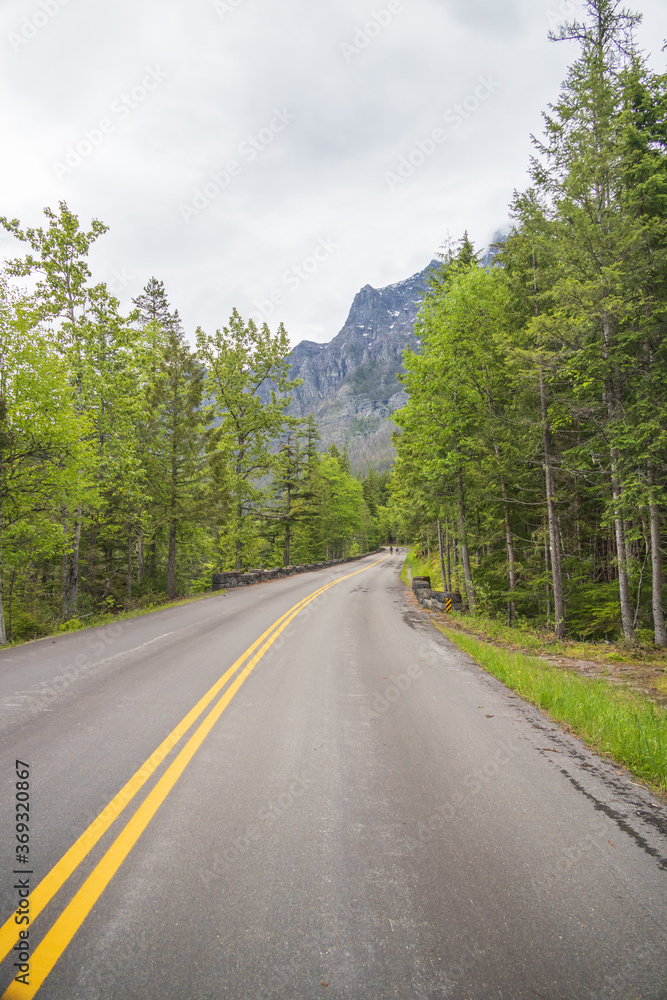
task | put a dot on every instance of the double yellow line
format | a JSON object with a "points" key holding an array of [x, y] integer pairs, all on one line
{"points": [[65, 927]]}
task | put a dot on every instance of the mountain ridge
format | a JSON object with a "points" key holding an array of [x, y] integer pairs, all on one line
{"points": [[350, 384]]}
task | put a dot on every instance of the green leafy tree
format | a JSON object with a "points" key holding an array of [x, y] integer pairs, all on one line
{"points": [[248, 384], [294, 494], [42, 439], [58, 255], [341, 507]]}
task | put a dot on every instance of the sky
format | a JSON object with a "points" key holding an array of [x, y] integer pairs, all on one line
{"points": [[276, 157]]}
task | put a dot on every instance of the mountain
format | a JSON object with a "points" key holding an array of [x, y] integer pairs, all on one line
{"points": [[351, 384], [492, 251]]}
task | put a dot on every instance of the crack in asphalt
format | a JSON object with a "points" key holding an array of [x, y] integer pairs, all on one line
{"points": [[620, 821]]}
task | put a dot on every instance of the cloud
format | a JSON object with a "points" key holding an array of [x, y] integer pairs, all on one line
{"points": [[227, 70]]}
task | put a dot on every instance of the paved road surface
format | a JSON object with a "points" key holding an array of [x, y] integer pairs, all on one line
{"points": [[368, 815]]}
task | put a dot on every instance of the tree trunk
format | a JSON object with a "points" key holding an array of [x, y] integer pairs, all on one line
{"points": [[92, 555], [173, 503], [72, 579], [129, 563], [509, 541], [287, 554], [554, 547], [441, 550], [3, 633], [546, 568], [656, 562], [239, 546], [449, 566], [511, 564], [621, 555], [65, 563], [171, 561], [152, 555], [141, 564], [239, 504], [463, 541], [611, 399]]}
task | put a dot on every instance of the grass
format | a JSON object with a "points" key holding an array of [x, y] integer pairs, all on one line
{"points": [[524, 636], [108, 618], [415, 569], [613, 720]]}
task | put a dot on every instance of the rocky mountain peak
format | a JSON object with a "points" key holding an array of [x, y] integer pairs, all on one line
{"points": [[351, 384]]}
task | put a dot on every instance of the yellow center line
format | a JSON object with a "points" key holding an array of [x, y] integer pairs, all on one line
{"points": [[56, 878], [63, 930]]}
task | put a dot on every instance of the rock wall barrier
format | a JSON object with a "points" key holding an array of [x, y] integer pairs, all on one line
{"points": [[435, 600], [225, 581]]}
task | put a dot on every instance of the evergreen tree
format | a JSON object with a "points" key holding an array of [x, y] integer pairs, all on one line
{"points": [[247, 381], [177, 454]]}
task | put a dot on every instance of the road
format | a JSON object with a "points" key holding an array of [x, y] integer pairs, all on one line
{"points": [[366, 814]]}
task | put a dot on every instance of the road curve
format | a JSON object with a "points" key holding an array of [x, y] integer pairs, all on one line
{"points": [[366, 814]]}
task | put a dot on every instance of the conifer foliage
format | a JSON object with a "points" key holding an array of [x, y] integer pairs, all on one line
{"points": [[543, 381]]}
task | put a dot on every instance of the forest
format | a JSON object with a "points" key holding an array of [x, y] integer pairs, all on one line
{"points": [[530, 456], [532, 448], [132, 464]]}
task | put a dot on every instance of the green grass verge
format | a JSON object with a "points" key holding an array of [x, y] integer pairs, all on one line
{"points": [[408, 564], [614, 721], [531, 637], [108, 618]]}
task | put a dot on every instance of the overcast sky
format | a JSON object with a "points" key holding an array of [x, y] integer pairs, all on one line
{"points": [[275, 156]]}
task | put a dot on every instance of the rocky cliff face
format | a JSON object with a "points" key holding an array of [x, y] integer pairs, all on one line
{"points": [[351, 384]]}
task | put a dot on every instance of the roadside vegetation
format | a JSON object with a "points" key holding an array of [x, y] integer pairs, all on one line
{"points": [[134, 464], [615, 721], [523, 635], [100, 618], [533, 445], [591, 688]]}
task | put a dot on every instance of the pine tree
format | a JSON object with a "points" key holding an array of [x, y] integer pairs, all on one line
{"points": [[243, 363], [177, 454]]}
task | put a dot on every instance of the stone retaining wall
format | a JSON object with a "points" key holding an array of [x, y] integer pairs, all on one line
{"points": [[224, 581], [436, 600]]}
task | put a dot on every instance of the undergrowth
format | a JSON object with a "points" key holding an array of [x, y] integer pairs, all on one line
{"points": [[613, 720]]}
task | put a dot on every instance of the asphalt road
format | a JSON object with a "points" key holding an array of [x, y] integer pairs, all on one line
{"points": [[366, 815]]}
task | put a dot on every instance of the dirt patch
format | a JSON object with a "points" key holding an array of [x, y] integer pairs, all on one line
{"points": [[643, 677]]}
